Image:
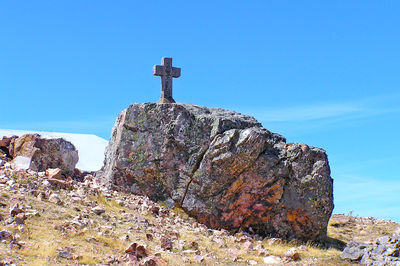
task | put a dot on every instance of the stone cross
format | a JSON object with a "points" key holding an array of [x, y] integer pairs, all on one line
{"points": [[166, 72]]}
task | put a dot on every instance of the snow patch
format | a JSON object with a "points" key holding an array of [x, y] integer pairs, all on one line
{"points": [[90, 147], [21, 162]]}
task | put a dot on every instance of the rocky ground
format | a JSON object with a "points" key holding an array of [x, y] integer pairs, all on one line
{"points": [[48, 218]]}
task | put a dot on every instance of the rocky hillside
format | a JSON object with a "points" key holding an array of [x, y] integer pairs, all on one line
{"points": [[48, 218]]}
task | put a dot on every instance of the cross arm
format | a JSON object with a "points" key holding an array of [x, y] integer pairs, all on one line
{"points": [[158, 70], [176, 72]]}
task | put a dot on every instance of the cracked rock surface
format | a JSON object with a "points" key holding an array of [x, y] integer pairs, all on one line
{"points": [[221, 167]]}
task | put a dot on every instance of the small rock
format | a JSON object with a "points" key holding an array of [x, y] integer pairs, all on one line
{"points": [[46, 183], [253, 262], [155, 210], [125, 237], [271, 259], [20, 218], [149, 237], [194, 245], [353, 251], [5, 234], [152, 261], [65, 253], [55, 198], [233, 254], [54, 173], [41, 174], [220, 241], [303, 248], [198, 258], [63, 184], [166, 243], [32, 213], [41, 196], [261, 251], [291, 254], [10, 220], [248, 245], [137, 250], [180, 244], [98, 210], [274, 241], [16, 209], [397, 232]]}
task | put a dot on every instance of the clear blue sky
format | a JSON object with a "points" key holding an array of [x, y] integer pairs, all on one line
{"points": [[325, 73]]}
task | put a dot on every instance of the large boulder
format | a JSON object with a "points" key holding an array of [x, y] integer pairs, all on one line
{"points": [[222, 168], [37, 153]]}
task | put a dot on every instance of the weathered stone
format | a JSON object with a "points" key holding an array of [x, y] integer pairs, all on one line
{"points": [[385, 251], [222, 168], [353, 251], [54, 173], [37, 153]]}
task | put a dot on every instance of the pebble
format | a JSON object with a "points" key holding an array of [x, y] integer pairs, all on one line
{"points": [[55, 198], [271, 259], [98, 210], [291, 254]]}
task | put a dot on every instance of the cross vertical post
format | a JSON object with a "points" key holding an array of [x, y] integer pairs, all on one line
{"points": [[166, 71]]}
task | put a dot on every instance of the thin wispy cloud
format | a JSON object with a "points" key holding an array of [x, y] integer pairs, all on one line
{"points": [[306, 113], [367, 196], [328, 111]]}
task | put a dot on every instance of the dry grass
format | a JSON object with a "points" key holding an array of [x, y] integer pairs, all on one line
{"points": [[112, 232]]}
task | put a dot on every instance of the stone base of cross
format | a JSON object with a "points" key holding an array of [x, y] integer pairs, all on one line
{"points": [[165, 100], [166, 72]]}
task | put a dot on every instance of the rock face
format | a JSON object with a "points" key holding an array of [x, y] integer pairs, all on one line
{"points": [[221, 167], [37, 153], [385, 251]]}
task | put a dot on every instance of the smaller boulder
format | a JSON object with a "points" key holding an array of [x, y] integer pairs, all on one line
{"points": [[39, 154]]}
